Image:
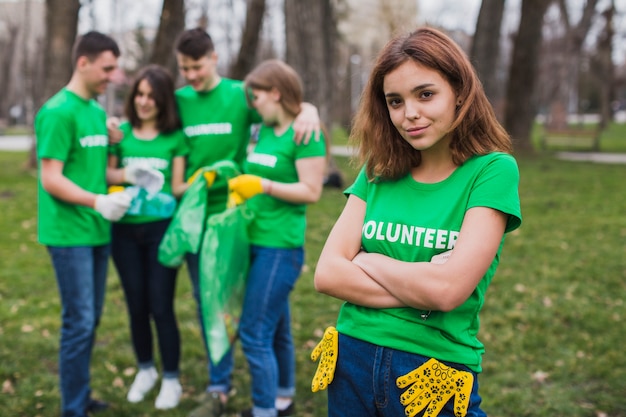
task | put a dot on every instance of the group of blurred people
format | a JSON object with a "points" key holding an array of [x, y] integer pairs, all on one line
{"points": [[411, 255], [166, 137]]}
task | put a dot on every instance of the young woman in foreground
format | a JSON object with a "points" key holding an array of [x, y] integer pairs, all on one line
{"points": [[419, 239]]}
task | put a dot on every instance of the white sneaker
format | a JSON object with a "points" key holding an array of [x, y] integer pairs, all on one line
{"points": [[170, 393], [144, 381]]}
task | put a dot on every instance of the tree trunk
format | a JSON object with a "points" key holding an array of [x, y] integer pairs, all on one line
{"points": [[565, 99], [311, 36], [605, 52], [246, 58], [8, 50], [61, 29], [520, 108], [172, 22], [486, 46]]}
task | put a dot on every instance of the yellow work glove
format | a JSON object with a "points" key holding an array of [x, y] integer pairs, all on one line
{"points": [[209, 176], [115, 189], [234, 199], [246, 185], [326, 350], [432, 385]]}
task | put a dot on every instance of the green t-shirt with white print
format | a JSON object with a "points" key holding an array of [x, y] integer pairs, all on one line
{"points": [[158, 153], [277, 223], [72, 130], [413, 222], [217, 123]]}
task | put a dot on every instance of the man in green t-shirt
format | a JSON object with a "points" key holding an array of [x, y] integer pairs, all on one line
{"points": [[218, 122], [74, 209]]}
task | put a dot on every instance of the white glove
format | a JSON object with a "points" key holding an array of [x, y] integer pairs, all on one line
{"points": [[113, 206], [144, 177]]}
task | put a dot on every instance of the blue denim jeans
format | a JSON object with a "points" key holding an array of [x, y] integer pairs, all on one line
{"points": [[149, 288], [81, 278], [220, 373], [265, 326], [365, 382]]}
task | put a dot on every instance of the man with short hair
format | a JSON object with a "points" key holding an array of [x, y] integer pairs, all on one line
{"points": [[74, 210], [218, 122]]}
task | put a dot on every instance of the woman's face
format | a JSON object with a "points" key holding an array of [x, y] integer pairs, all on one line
{"points": [[266, 102], [421, 105], [145, 106]]}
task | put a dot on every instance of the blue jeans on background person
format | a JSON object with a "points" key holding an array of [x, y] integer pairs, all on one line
{"points": [[81, 278], [265, 325], [220, 373], [365, 381], [149, 288]]}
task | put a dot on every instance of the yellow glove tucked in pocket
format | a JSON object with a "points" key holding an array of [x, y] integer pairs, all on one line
{"points": [[326, 350], [246, 185], [432, 385]]}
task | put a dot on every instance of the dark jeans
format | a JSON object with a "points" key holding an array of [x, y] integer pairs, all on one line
{"points": [[149, 288], [365, 382], [81, 278]]}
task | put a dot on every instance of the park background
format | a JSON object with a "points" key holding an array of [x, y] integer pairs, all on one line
{"points": [[553, 323]]}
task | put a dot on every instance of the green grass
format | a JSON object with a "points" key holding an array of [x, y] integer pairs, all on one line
{"points": [[552, 323], [17, 130], [612, 139]]}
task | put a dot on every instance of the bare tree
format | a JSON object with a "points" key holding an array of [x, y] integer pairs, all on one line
{"points": [[520, 108], [255, 11], [313, 23], [8, 51], [311, 36], [61, 28], [172, 22], [486, 45], [605, 66]]}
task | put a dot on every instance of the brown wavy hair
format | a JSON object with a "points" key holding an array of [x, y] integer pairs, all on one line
{"points": [[274, 73], [474, 131], [162, 85]]}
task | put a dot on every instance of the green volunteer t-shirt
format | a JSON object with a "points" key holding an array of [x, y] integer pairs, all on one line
{"points": [[277, 223], [72, 130], [217, 123], [158, 153], [413, 222]]}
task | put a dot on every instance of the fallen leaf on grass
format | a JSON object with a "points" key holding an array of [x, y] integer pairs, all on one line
{"points": [[547, 302], [27, 328], [118, 382], [7, 387], [112, 368], [540, 376]]}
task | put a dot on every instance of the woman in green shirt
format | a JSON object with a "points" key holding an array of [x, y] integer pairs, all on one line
{"points": [[419, 240], [151, 137], [281, 178]]}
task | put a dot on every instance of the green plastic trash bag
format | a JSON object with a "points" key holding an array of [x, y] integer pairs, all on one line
{"points": [[185, 230], [224, 263], [184, 233], [209, 223]]}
